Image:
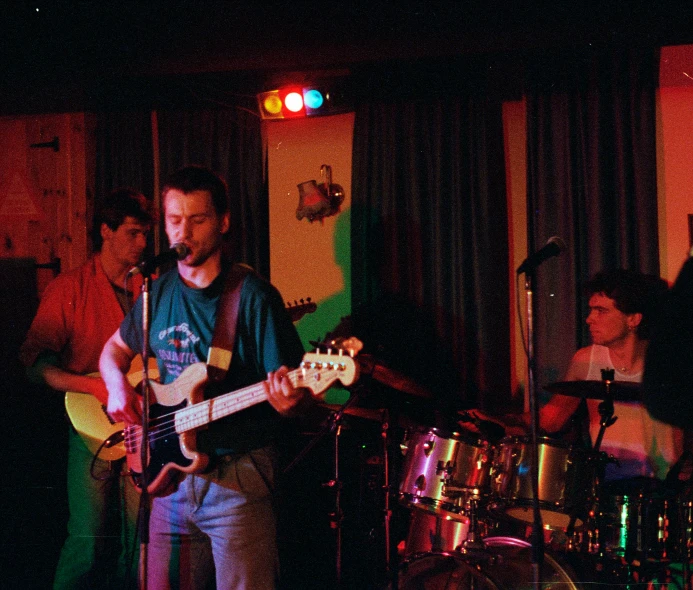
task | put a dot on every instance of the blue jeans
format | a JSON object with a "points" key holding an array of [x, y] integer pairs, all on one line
{"points": [[100, 550], [219, 525]]}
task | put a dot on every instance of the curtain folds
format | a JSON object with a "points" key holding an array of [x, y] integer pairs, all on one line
{"points": [[229, 142], [124, 154], [591, 151], [226, 140], [430, 244]]}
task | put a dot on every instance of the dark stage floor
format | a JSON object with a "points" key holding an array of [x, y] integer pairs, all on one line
{"points": [[34, 515], [34, 505]]}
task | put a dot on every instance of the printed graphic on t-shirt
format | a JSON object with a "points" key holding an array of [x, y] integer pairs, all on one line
{"points": [[176, 348]]}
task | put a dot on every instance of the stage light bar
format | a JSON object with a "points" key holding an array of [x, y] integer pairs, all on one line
{"points": [[301, 101]]}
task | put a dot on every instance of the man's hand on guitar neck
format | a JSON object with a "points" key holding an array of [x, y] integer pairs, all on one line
{"points": [[281, 393]]}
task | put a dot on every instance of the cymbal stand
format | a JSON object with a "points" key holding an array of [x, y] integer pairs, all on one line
{"points": [[606, 409], [387, 511], [606, 419], [332, 424]]}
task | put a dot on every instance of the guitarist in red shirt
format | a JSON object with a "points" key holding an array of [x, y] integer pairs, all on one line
{"points": [[78, 312]]}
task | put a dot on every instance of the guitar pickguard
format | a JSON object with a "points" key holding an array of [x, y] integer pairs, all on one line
{"points": [[164, 444]]}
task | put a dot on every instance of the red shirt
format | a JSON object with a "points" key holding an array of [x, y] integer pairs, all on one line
{"points": [[78, 313]]}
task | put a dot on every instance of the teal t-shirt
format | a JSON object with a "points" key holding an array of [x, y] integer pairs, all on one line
{"points": [[181, 330]]}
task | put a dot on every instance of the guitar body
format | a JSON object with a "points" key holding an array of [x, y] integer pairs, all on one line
{"points": [[89, 418], [168, 449]]}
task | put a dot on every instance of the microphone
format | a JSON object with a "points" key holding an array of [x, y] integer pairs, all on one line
{"points": [[147, 267], [553, 247]]}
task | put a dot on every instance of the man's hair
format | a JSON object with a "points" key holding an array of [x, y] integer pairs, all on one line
{"points": [[121, 203], [632, 292], [198, 178]]}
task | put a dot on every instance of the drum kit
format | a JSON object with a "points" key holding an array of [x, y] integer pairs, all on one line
{"points": [[470, 504]]}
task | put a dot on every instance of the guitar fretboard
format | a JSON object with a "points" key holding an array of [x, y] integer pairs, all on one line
{"points": [[219, 407]]}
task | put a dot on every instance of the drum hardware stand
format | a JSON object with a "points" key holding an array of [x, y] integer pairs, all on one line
{"points": [[470, 508], [606, 408], [390, 568], [473, 541], [686, 520], [332, 424], [607, 418]]}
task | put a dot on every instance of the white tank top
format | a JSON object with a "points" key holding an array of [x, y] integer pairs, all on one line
{"points": [[642, 445]]}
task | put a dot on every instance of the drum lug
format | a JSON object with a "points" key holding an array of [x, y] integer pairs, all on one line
{"points": [[446, 469]]}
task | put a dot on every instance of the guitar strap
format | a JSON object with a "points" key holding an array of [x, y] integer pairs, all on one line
{"points": [[221, 350]]}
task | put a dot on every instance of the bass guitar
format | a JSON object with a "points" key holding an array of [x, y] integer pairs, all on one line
{"points": [[88, 415], [178, 409]]}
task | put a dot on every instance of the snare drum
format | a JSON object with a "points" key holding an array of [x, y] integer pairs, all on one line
{"points": [[563, 481], [439, 468]]}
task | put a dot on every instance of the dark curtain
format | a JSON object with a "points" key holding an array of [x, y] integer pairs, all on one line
{"points": [[592, 181], [229, 142], [430, 244], [124, 154]]}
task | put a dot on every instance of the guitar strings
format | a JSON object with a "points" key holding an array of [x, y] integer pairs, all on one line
{"points": [[164, 425]]}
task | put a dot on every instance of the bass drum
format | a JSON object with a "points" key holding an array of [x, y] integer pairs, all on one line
{"points": [[505, 564]]}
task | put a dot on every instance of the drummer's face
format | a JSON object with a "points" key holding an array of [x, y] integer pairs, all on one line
{"points": [[607, 324]]}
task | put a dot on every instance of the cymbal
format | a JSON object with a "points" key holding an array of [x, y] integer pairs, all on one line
{"points": [[367, 413], [392, 378], [624, 391]]}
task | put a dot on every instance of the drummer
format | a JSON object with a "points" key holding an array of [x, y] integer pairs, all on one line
{"points": [[620, 309]]}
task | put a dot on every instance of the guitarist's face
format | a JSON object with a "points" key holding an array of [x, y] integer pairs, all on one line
{"points": [[126, 244], [192, 220]]}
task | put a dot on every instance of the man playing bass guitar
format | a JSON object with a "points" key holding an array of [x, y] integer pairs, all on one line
{"points": [[220, 521]]}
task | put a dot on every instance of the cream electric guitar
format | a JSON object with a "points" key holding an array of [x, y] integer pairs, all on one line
{"points": [[178, 409], [91, 421]]}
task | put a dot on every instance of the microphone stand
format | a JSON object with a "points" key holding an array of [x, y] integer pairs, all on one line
{"points": [[537, 539], [144, 507]]}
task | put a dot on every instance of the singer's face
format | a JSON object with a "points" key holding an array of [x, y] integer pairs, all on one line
{"points": [[191, 219], [609, 325], [126, 244]]}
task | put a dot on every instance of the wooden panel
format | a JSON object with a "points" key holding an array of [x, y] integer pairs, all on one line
{"points": [[43, 191]]}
